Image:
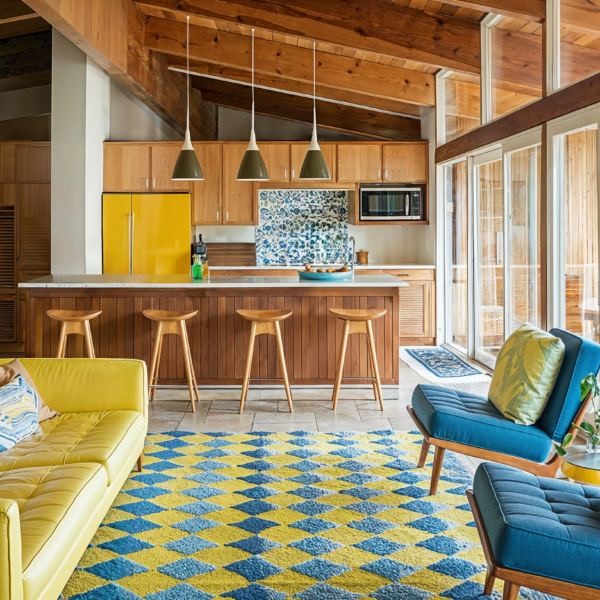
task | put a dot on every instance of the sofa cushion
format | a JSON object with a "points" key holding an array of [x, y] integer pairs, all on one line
{"points": [[542, 526], [107, 438], [20, 404], [55, 503], [582, 357], [468, 419]]}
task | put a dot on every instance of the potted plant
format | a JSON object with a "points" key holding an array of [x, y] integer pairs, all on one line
{"points": [[589, 386]]}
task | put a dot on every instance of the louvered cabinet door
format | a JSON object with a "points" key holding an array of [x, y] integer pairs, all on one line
{"points": [[416, 326], [34, 229], [8, 244]]}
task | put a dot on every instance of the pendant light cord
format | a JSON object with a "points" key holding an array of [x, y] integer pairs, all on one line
{"points": [[253, 80], [187, 122]]}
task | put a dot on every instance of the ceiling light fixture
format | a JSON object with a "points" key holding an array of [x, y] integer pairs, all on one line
{"points": [[314, 165], [187, 167], [252, 167]]}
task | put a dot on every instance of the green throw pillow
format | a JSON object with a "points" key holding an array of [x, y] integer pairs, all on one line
{"points": [[526, 370]]}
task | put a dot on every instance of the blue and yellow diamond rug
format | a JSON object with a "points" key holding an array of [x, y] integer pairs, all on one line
{"points": [[275, 516]]}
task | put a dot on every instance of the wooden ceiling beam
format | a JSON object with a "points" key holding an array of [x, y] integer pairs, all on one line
{"points": [[338, 117], [291, 62], [292, 86], [526, 10], [112, 34], [25, 55], [369, 25]]}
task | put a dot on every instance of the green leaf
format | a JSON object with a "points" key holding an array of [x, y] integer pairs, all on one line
{"points": [[560, 451], [588, 428], [567, 440]]}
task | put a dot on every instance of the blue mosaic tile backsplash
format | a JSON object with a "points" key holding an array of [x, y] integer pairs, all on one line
{"points": [[302, 226]]}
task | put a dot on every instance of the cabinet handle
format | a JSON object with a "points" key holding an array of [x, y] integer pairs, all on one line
{"points": [[146, 184], [217, 216], [292, 174], [386, 174], [378, 173], [402, 275], [153, 183], [285, 173], [227, 216]]}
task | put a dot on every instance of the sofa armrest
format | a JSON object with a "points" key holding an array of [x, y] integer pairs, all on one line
{"points": [[70, 385], [11, 575]]}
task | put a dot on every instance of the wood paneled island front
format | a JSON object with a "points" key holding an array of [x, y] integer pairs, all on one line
{"points": [[218, 335]]}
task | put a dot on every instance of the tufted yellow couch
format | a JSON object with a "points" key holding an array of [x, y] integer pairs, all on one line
{"points": [[56, 486]]}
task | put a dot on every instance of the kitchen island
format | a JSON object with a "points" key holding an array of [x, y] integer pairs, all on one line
{"points": [[218, 335]]}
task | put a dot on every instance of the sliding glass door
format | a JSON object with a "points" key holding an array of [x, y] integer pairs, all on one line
{"points": [[457, 253]]}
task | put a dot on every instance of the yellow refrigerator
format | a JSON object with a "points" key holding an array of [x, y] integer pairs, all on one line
{"points": [[146, 234]]}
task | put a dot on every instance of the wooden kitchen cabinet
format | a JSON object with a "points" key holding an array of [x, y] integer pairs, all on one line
{"points": [[207, 195], [277, 161], [359, 162], [127, 167], [238, 196], [7, 162], [163, 163], [298, 152], [32, 163], [405, 162]]}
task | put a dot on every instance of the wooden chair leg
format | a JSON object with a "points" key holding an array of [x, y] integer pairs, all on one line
{"points": [[248, 368], [374, 361], [89, 344], [511, 591], [155, 360], [62, 341], [340, 367], [375, 393], [438, 459], [424, 453], [186, 362], [286, 382], [140, 462], [187, 341], [489, 583]]}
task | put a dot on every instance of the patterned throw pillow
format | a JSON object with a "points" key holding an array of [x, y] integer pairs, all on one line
{"points": [[7, 434], [20, 404], [526, 370]]}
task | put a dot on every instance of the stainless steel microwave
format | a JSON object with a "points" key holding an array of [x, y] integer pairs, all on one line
{"points": [[391, 203]]}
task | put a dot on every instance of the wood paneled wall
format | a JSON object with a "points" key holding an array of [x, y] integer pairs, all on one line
{"points": [[218, 336]]}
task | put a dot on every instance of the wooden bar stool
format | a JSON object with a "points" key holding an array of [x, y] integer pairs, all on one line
{"points": [[264, 321], [358, 321], [172, 321], [74, 321]]}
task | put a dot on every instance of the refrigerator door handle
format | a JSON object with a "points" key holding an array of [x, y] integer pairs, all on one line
{"points": [[131, 229]]}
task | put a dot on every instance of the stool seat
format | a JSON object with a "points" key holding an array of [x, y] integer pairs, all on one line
{"points": [[358, 314], [74, 321], [265, 321], [172, 321], [169, 316], [71, 316], [265, 316]]}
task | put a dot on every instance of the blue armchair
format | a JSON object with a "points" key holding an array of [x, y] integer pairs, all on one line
{"points": [[470, 424]]}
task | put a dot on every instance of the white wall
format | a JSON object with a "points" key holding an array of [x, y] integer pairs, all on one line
{"points": [[132, 121], [30, 102], [427, 238]]}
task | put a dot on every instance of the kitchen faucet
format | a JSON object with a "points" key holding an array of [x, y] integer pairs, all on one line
{"points": [[351, 239]]}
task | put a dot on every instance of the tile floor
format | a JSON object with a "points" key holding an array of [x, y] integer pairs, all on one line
{"points": [[267, 410]]}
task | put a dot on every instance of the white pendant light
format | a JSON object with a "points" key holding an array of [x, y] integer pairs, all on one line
{"points": [[187, 167], [314, 165], [252, 167]]}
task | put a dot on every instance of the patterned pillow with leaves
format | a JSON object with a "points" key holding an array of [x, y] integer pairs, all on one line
{"points": [[7, 434], [20, 404], [526, 370]]}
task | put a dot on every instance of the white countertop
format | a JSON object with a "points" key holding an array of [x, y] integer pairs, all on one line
{"points": [[293, 267], [186, 281]]}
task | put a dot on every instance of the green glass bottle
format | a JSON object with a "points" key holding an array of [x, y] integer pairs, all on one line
{"points": [[197, 268]]}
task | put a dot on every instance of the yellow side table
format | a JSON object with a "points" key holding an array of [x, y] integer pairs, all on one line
{"points": [[581, 466]]}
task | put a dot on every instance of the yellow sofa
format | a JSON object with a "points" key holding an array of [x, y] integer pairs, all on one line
{"points": [[57, 485]]}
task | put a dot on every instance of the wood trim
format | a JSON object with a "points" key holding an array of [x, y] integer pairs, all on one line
{"points": [[528, 10], [567, 100], [546, 585]]}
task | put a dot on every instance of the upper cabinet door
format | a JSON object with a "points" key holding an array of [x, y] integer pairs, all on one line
{"points": [[359, 162], [127, 168], [207, 194], [405, 162], [7, 163], [163, 163], [277, 160], [32, 164], [34, 227], [298, 152], [238, 196]]}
